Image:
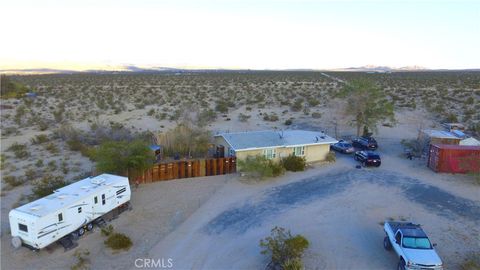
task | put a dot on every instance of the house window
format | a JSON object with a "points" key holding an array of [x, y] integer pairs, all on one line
{"points": [[299, 151], [103, 199], [79, 209], [60, 217], [95, 199], [22, 227], [270, 153]]}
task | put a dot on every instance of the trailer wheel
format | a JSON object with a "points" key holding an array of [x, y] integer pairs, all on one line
{"points": [[16, 242], [386, 243], [401, 265], [81, 231], [89, 226]]}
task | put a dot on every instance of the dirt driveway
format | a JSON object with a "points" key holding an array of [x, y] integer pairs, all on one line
{"points": [[339, 209]]}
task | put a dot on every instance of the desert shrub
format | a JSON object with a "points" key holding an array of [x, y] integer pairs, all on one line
{"points": [[331, 157], [270, 117], [39, 139], [471, 262], [294, 163], [39, 163], [288, 122], [46, 185], [221, 106], [52, 148], [20, 150], [292, 264], [206, 116], [260, 166], [107, 230], [313, 102], [82, 263], [13, 181], [285, 250], [451, 118], [243, 117], [2, 161], [30, 174], [297, 105], [118, 241], [122, 157], [151, 112], [52, 165], [316, 115]]}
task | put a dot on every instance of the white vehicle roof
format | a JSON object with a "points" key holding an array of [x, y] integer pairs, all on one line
{"points": [[68, 195]]}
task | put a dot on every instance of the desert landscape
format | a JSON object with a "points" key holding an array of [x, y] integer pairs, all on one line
{"points": [[217, 222]]}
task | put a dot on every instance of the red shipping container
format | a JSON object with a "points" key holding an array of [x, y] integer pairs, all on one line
{"points": [[450, 158]]}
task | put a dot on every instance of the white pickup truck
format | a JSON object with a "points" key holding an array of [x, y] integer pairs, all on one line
{"points": [[411, 245]]}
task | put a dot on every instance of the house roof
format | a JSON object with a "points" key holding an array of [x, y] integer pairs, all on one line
{"points": [[250, 140], [470, 141], [440, 134], [70, 194]]}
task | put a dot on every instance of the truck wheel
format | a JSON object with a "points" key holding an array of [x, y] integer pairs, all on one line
{"points": [[386, 243], [16, 242], [81, 231], [401, 265], [89, 226]]}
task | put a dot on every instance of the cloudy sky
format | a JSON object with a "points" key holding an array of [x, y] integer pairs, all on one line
{"points": [[268, 34]]}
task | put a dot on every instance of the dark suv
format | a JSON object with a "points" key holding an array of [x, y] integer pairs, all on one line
{"points": [[365, 143], [368, 158]]}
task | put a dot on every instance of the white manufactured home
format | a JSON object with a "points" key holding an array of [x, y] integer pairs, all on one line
{"points": [[69, 210]]}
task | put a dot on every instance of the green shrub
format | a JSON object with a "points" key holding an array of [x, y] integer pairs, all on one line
{"points": [[471, 262], [221, 106], [118, 241], [12, 180], [288, 122], [20, 150], [294, 163], [120, 157], [46, 186], [331, 156], [284, 249], [260, 167], [316, 115]]}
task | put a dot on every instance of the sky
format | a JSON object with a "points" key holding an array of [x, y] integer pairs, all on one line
{"points": [[239, 34]]}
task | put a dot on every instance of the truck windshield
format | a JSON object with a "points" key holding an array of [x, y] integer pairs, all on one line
{"points": [[416, 242]]}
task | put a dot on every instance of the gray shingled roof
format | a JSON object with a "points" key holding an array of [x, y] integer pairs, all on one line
{"points": [[265, 139]]}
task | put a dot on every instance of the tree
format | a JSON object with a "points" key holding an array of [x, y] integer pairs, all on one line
{"points": [[367, 104], [122, 157]]}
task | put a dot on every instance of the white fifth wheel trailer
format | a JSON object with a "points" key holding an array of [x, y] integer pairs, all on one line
{"points": [[70, 210]]}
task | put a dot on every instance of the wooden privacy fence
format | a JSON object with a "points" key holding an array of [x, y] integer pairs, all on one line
{"points": [[186, 169]]}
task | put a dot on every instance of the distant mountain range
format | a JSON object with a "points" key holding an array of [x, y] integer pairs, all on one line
{"points": [[137, 69]]}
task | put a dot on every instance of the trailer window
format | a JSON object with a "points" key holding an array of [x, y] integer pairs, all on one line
{"points": [[22, 227], [60, 217], [103, 198], [79, 209], [95, 200]]}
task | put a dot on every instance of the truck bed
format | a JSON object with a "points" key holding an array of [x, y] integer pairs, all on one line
{"points": [[394, 225]]}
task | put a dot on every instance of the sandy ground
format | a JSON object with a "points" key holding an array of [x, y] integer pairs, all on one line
{"points": [[217, 222]]}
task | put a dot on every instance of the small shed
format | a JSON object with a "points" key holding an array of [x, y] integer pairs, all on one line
{"points": [[449, 158], [432, 136]]}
